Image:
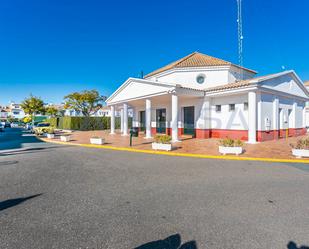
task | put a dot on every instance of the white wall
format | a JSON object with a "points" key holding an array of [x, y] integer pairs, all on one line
{"points": [[214, 76], [235, 74], [235, 120], [188, 78]]}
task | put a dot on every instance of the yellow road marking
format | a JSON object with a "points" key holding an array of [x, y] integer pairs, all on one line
{"points": [[237, 158]]}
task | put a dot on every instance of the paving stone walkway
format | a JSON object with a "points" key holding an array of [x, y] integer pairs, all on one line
{"points": [[270, 149]]}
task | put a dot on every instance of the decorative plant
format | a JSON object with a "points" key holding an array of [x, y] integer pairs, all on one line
{"points": [[301, 144], [228, 142], [50, 130], [163, 139], [42, 130]]}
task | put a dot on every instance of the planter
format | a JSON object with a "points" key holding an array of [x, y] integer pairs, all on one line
{"points": [[97, 140], [230, 150], [50, 136], [299, 153], [159, 146], [65, 138]]}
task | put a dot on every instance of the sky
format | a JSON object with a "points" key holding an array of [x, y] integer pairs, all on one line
{"points": [[50, 48]]}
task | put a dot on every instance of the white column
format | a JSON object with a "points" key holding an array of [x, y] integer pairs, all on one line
{"points": [[174, 118], [293, 125], [125, 119], [275, 114], [252, 117], [276, 119], [304, 116], [148, 118], [121, 120], [112, 119]]}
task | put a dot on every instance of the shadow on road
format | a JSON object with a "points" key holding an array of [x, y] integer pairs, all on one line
{"points": [[14, 138], [293, 245], [171, 242], [29, 150], [14, 202], [8, 163]]}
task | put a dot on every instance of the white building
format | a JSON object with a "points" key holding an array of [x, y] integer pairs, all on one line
{"points": [[105, 111], [204, 96], [16, 111], [4, 114]]}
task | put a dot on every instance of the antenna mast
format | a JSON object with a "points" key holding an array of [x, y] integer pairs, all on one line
{"points": [[240, 38]]}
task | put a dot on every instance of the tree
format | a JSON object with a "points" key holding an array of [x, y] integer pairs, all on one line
{"points": [[33, 105], [51, 111], [87, 101]]}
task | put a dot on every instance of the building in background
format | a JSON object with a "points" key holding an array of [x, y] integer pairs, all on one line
{"points": [[4, 112], [16, 111], [105, 111]]}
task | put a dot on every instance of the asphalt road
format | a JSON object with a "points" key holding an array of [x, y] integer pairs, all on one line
{"points": [[74, 197]]}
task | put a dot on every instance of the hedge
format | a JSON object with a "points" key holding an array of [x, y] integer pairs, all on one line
{"points": [[85, 123]]}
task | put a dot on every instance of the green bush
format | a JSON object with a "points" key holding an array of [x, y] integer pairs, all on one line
{"points": [[163, 139], [85, 123], [228, 142], [42, 130], [301, 144]]}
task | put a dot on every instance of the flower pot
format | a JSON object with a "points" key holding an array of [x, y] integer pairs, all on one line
{"points": [[50, 135], [159, 146], [230, 150], [65, 138], [97, 140], [299, 153]]}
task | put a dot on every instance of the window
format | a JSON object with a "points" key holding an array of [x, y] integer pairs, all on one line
{"points": [[231, 107], [246, 106], [218, 108], [200, 78]]}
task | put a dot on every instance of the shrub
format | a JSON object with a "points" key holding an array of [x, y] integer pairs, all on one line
{"points": [[42, 130], [228, 142], [301, 144], [163, 139], [85, 123]]}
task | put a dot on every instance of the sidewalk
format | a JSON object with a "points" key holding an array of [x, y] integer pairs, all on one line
{"points": [[271, 149]]}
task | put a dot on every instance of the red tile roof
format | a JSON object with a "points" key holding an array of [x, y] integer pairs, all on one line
{"points": [[195, 59]]}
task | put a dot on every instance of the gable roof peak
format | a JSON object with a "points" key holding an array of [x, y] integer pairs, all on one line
{"points": [[195, 59]]}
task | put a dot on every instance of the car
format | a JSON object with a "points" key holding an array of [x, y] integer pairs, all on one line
{"points": [[7, 125], [43, 125], [14, 124], [41, 128], [1, 128]]}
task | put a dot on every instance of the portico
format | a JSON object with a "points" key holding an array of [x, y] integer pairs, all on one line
{"points": [[161, 113]]}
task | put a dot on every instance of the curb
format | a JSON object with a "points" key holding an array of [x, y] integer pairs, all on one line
{"points": [[235, 158]]}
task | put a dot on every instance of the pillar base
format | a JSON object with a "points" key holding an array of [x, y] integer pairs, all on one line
{"points": [[148, 137], [252, 142]]}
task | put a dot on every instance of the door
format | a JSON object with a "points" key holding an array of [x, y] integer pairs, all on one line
{"points": [[161, 120], [142, 118], [188, 120]]}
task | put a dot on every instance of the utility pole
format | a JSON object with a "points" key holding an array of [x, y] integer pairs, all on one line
{"points": [[240, 37]]}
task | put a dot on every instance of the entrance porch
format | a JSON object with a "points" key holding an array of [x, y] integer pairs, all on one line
{"points": [[174, 114]]}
